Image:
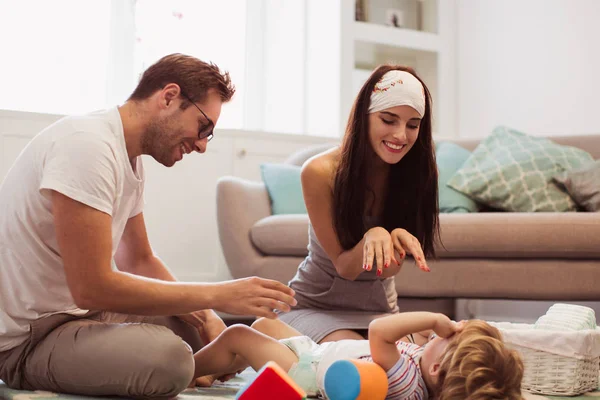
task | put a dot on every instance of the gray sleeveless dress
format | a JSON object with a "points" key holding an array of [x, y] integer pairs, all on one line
{"points": [[327, 302]]}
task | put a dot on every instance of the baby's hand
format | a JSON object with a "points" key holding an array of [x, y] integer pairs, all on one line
{"points": [[460, 325], [445, 327]]}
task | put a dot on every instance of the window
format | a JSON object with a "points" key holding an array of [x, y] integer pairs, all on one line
{"points": [[55, 55], [210, 30], [73, 56]]}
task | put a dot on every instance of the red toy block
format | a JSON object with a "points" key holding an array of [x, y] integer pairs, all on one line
{"points": [[272, 382]]}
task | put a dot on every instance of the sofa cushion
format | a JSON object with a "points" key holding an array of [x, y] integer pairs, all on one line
{"points": [[450, 157], [473, 235], [520, 235], [284, 187], [512, 171], [583, 184], [281, 235]]}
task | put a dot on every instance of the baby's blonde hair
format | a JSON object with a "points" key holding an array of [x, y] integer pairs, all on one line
{"points": [[477, 365]]}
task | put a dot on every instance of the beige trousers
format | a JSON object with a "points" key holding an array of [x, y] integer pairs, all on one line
{"points": [[104, 353]]}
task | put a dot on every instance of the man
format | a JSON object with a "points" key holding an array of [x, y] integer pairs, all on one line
{"points": [[72, 203]]}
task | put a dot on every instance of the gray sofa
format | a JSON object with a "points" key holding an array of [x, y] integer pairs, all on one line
{"points": [[488, 255]]}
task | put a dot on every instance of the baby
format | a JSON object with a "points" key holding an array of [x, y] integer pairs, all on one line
{"points": [[466, 360]]}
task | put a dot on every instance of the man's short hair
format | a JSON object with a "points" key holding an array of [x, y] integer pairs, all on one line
{"points": [[194, 77]]}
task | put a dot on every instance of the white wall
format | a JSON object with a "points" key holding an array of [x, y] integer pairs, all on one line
{"points": [[531, 64]]}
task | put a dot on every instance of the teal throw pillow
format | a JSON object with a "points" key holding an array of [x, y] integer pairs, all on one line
{"points": [[450, 157], [284, 188], [512, 171]]}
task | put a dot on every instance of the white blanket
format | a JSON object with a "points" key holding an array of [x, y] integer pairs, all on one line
{"points": [[583, 344]]}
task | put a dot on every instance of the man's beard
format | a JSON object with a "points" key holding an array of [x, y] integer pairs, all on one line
{"points": [[160, 139]]}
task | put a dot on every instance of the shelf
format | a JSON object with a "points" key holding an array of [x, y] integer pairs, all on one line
{"points": [[396, 37]]}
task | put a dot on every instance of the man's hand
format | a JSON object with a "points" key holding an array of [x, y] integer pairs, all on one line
{"points": [[254, 296], [209, 326], [212, 328], [207, 322]]}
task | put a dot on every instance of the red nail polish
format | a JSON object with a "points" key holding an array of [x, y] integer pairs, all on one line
{"points": [[386, 265], [379, 272], [368, 267], [364, 266]]}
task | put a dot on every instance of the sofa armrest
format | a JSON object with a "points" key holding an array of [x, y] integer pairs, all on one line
{"points": [[240, 204]]}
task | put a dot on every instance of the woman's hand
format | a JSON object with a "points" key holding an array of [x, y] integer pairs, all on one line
{"points": [[394, 267], [380, 248], [404, 243]]}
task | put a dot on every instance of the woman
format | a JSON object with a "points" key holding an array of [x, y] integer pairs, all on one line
{"points": [[369, 202]]}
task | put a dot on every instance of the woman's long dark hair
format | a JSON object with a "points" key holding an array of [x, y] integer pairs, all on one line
{"points": [[412, 198]]}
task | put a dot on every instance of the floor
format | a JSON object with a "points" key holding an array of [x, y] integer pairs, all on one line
{"points": [[220, 391]]}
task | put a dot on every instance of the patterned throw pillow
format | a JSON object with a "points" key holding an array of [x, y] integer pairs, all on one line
{"points": [[512, 171]]}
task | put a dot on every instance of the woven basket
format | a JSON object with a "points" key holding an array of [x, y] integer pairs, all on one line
{"points": [[551, 374], [548, 373]]}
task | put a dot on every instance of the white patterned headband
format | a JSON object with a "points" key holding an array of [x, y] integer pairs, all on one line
{"points": [[398, 88]]}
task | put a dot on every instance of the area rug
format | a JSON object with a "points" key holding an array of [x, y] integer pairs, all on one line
{"points": [[220, 391]]}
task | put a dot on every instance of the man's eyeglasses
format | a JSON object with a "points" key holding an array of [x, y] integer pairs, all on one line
{"points": [[205, 131]]}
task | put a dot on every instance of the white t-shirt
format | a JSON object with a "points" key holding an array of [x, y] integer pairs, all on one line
{"points": [[84, 158]]}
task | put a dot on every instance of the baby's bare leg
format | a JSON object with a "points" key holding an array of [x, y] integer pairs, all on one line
{"points": [[237, 366], [240, 340], [275, 328]]}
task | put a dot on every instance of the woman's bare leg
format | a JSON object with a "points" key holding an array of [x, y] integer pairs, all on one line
{"points": [[256, 348], [419, 338], [341, 335]]}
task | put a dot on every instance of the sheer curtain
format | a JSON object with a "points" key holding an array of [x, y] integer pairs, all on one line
{"points": [[74, 56], [210, 30], [54, 55]]}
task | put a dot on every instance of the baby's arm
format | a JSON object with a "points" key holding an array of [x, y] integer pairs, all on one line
{"points": [[385, 332], [243, 341]]}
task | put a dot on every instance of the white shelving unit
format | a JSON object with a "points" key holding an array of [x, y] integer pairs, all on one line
{"points": [[396, 37], [363, 45]]}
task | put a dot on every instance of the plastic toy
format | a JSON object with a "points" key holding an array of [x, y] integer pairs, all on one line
{"points": [[355, 380], [271, 382]]}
